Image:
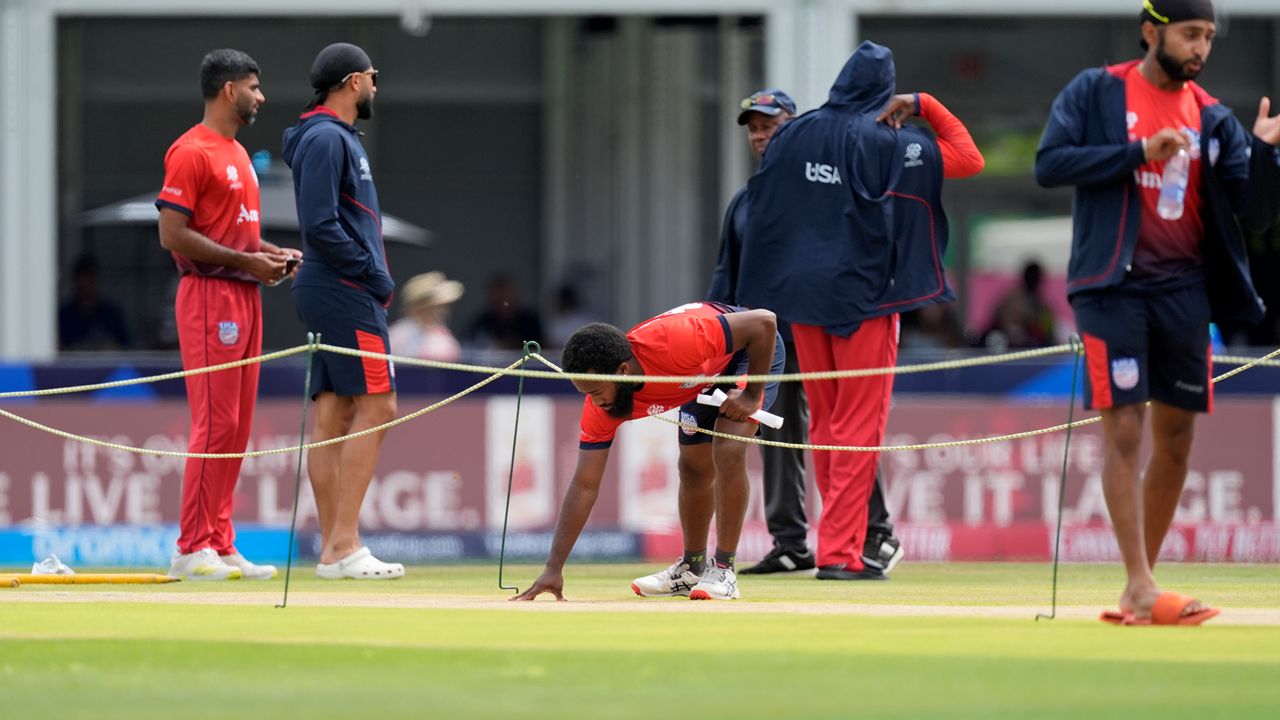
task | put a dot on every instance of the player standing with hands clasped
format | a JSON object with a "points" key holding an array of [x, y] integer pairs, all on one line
{"points": [[209, 221], [1164, 177]]}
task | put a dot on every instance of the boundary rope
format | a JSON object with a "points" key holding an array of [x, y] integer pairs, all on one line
{"points": [[924, 446], [155, 378], [511, 371], [256, 453], [704, 379], [557, 373]]}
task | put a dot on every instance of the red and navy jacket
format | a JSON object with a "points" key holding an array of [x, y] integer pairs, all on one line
{"points": [[844, 215], [1086, 144], [338, 209]]}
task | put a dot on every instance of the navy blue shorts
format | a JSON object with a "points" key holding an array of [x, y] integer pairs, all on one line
{"points": [[1143, 346], [351, 318], [706, 415]]}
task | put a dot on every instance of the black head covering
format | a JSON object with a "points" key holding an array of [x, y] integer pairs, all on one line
{"points": [[334, 63], [1167, 12]]}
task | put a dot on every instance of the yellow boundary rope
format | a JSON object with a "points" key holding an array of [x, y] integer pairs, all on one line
{"points": [[559, 374], [155, 378], [510, 371], [922, 446], [256, 453], [704, 379]]}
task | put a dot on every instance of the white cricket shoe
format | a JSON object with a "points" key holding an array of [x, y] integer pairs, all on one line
{"points": [[249, 570], [718, 583], [675, 580], [202, 565]]}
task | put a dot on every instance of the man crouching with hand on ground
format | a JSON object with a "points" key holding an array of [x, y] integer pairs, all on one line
{"points": [[694, 339]]}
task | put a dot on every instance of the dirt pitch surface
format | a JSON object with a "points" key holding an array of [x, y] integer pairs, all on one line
{"points": [[1229, 616]]}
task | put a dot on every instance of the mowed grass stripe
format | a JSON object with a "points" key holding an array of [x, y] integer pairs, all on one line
{"points": [[703, 677], [612, 631], [140, 659]]}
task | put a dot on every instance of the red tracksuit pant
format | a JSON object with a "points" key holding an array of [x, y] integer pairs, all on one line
{"points": [[219, 321], [849, 411]]}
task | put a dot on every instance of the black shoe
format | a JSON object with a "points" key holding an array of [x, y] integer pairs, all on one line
{"points": [[779, 560], [841, 572], [882, 552]]}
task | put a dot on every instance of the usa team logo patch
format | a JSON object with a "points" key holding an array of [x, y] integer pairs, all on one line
{"points": [[1124, 373], [688, 423], [228, 332]]}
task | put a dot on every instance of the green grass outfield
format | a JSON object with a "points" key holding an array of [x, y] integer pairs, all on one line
{"points": [[938, 641]]}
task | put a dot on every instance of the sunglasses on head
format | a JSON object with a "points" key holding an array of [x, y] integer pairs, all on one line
{"points": [[759, 100]]}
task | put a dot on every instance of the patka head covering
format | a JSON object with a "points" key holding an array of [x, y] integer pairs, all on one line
{"points": [[1167, 12], [333, 64]]}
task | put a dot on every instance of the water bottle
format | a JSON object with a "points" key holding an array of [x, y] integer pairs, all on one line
{"points": [[1215, 340], [1173, 187]]}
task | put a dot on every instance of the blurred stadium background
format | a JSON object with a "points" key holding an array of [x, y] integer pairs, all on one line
{"points": [[581, 144]]}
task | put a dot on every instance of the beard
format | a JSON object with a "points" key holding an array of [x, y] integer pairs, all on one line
{"points": [[624, 401], [1172, 66], [364, 109], [245, 111]]}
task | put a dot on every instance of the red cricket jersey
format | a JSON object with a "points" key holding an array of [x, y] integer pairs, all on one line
{"points": [[210, 179], [692, 339], [1166, 249]]}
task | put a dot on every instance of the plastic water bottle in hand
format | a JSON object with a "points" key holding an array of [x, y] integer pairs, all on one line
{"points": [[1173, 187]]}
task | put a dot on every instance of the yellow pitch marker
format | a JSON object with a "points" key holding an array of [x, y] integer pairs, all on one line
{"points": [[85, 579]]}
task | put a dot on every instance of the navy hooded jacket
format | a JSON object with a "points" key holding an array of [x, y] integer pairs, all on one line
{"points": [[338, 209], [1086, 144], [844, 216]]}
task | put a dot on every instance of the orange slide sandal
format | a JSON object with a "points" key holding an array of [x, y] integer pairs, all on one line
{"points": [[1168, 610]]}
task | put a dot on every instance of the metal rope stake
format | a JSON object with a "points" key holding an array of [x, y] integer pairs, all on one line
{"points": [[312, 341], [1062, 483], [530, 348]]}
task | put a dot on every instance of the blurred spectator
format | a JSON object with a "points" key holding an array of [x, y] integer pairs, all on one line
{"points": [[504, 324], [423, 332], [1022, 319], [932, 327], [567, 317], [1264, 263], [87, 321]]}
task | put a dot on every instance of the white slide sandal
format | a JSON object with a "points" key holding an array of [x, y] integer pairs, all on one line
{"points": [[359, 565]]}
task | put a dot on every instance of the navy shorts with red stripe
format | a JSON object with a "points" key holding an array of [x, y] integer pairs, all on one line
{"points": [[1146, 345], [347, 317]]}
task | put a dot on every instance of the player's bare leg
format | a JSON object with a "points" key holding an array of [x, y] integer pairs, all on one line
{"points": [[1121, 485], [1172, 431], [732, 489], [697, 498], [357, 461], [334, 415], [1122, 438]]}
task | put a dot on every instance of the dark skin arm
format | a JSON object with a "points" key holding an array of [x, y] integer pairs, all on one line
{"points": [[757, 331], [177, 236], [574, 511]]}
